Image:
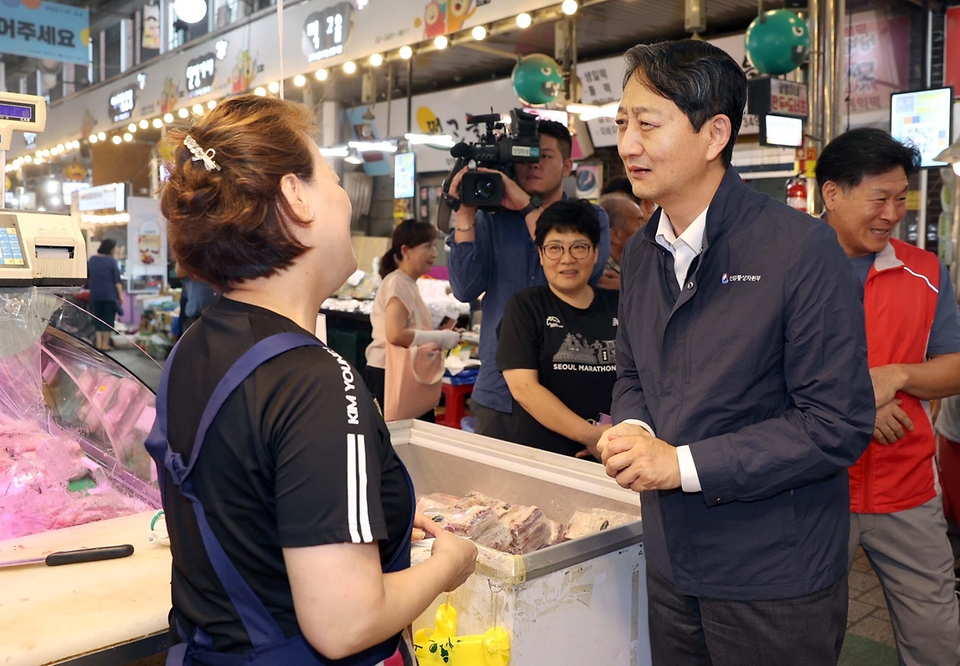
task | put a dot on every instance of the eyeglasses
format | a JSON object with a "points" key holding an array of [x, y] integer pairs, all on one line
{"points": [[554, 251]]}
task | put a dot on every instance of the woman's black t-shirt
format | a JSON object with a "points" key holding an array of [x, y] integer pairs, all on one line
{"points": [[573, 351], [277, 470]]}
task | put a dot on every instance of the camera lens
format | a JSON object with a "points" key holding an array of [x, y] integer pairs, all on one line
{"points": [[484, 190]]}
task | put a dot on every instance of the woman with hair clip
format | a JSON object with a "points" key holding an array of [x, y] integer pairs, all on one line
{"points": [[290, 515], [399, 316]]}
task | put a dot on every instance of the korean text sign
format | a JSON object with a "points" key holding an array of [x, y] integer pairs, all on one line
{"points": [[49, 31]]}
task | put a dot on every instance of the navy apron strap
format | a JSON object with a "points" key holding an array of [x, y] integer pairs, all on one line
{"points": [[156, 442], [257, 620]]}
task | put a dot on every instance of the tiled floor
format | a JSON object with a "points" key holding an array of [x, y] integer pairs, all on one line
{"points": [[867, 616]]}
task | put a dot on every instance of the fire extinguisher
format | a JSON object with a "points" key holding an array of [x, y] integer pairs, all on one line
{"points": [[797, 193]]}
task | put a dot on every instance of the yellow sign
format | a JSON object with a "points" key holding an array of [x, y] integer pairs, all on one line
{"points": [[913, 200]]}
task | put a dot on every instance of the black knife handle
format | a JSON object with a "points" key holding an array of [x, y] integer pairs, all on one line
{"points": [[88, 555]]}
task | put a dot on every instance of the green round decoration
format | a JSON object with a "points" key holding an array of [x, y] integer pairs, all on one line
{"points": [[777, 42], [537, 78]]}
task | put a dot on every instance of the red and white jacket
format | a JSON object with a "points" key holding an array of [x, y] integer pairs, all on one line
{"points": [[900, 301]]}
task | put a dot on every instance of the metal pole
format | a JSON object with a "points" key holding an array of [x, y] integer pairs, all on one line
{"points": [[814, 112], [828, 38], [840, 74], [410, 95]]}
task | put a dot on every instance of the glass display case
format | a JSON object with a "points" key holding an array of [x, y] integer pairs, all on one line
{"points": [[72, 421]]}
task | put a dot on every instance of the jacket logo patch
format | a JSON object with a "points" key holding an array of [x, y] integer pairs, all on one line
{"points": [[726, 278], [553, 322]]}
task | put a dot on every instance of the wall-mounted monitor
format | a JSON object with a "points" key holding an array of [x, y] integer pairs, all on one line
{"points": [[404, 175], [781, 131], [925, 119]]}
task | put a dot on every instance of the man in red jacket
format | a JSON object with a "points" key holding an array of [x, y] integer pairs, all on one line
{"points": [[913, 349]]}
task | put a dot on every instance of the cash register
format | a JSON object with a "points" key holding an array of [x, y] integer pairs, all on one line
{"points": [[36, 249]]}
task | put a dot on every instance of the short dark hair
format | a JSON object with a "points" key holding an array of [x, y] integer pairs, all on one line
{"points": [[621, 185], [569, 216], [864, 152], [559, 132], [106, 247], [700, 78], [410, 233]]}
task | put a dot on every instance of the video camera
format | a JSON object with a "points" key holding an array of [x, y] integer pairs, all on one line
{"points": [[498, 150]]}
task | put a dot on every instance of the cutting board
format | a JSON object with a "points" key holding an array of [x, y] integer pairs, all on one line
{"points": [[50, 614]]}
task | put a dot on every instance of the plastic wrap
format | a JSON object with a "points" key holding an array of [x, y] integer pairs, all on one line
{"points": [[590, 522], [479, 499], [72, 425]]}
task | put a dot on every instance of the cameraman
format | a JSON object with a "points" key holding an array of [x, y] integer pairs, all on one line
{"points": [[494, 253]]}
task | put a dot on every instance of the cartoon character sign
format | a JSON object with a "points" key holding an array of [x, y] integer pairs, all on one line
{"points": [[458, 11], [434, 19], [537, 78], [169, 96], [244, 72]]}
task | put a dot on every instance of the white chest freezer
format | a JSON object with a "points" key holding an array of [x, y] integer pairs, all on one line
{"points": [[579, 603]]}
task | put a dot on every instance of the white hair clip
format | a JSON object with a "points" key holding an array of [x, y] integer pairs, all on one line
{"points": [[200, 154]]}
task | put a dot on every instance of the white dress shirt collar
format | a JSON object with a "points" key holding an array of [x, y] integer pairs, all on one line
{"points": [[685, 248]]}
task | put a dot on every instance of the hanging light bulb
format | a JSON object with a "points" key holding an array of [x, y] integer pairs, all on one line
{"points": [[127, 137], [157, 123], [183, 113], [144, 124], [190, 11], [273, 87], [299, 80], [168, 118], [116, 139], [93, 138], [350, 67], [197, 109], [102, 136], [406, 52], [524, 21], [441, 42], [376, 60], [569, 7], [132, 127], [479, 33], [260, 92], [212, 104], [322, 75]]}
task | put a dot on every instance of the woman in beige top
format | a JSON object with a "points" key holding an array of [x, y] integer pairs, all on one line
{"points": [[399, 314]]}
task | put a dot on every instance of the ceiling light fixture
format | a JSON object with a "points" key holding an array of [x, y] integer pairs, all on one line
{"points": [[524, 21]]}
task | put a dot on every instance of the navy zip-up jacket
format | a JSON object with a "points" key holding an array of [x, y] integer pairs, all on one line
{"points": [[760, 365]]}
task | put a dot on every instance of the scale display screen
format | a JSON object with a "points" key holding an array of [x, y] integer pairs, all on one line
{"points": [[24, 113], [11, 251]]}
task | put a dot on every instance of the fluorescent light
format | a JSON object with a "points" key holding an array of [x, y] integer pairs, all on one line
{"points": [[322, 74], [299, 80], [376, 60], [524, 20], [569, 7], [442, 140], [336, 151], [183, 113], [479, 32], [144, 124], [369, 146], [273, 87], [353, 159], [157, 123], [406, 52], [349, 67], [260, 92], [592, 111], [441, 42]]}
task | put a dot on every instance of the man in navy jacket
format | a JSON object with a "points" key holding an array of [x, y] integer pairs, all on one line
{"points": [[743, 392]]}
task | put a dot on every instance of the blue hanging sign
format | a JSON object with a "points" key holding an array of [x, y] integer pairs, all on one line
{"points": [[45, 30]]}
